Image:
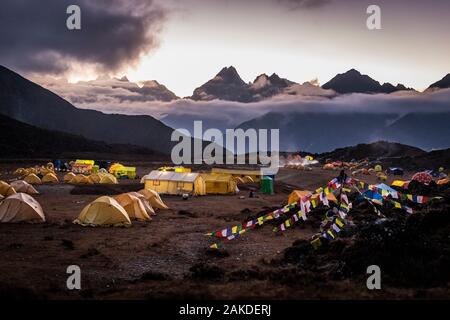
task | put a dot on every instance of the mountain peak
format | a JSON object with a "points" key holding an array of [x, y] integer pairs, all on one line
{"points": [[226, 85], [441, 84], [354, 71], [151, 84], [229, 75], [124, 79], [275, 77], [261, 81], [228, 72], [353, 81]]}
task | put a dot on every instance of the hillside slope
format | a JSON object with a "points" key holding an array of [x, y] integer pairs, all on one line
{"points": [[30, 103], [18, 139]]}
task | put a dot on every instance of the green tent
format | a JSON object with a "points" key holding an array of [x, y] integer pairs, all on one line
{"points": [[266, 185]]}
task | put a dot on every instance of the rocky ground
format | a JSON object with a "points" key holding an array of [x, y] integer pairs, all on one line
{"points": [[169, 257]]}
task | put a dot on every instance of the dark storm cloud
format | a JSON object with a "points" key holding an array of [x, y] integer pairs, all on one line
{"points": [[114, 33]]}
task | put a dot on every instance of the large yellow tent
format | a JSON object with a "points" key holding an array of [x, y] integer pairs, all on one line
{"points": [[6, 190], [154, 199], [146, 203], [69, 176], [298, 194], [50, 178], [255, 175], [170, 182], [219, 183], [24, 187], [133, 206], [33, 179], [104, 211], [21, 207]]}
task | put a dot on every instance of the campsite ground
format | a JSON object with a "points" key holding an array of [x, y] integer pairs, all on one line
{"points": [[169, 257]]}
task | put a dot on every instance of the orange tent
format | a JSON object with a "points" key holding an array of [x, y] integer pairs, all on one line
{"points": [[154, 199], [148, 207], [133, 206]]}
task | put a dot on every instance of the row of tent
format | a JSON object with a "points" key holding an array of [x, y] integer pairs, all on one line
{"points": [[120, 210], [95, 178], [104, 211], [101, 178], [37, 170], [19, 186], [33, 178]]}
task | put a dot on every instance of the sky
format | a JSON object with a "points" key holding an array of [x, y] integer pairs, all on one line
{"points": [[184, 43]]}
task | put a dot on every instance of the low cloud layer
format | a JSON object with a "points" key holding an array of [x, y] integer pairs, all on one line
{"points": [[118, 96], [113, 35]]}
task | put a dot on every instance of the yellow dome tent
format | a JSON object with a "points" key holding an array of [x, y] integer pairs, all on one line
{"points": [[33, 179], [21, 207], [24, 187], [148, 207], [80, 179], [108, 179], [104, 211], [50, 178], [95, 178], [133, 206], [69, 176], [20, 172], [6, 190], [154, 199], [378, 168]]}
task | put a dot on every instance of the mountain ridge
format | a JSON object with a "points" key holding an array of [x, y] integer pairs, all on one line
{"points": [[28, 102], [18, 139], [353, 81]]}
